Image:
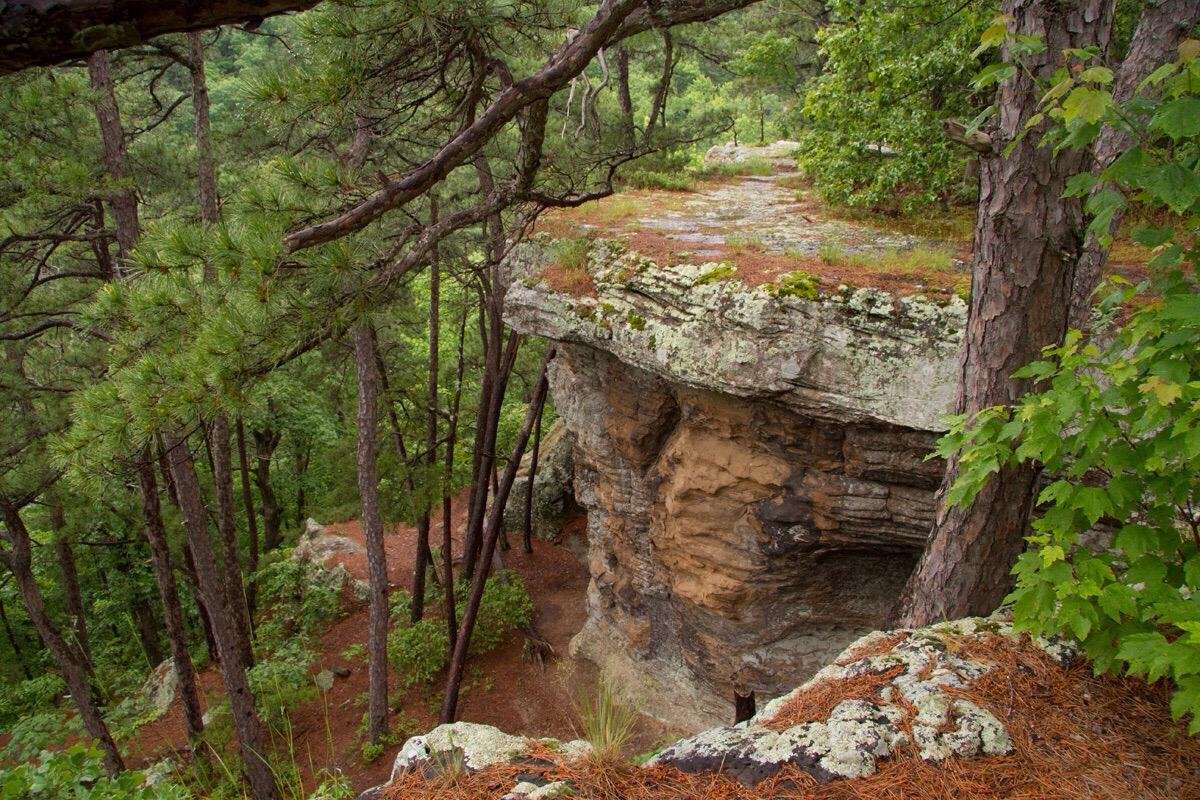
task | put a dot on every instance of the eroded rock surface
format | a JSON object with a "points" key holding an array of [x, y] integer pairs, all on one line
{"points": [[753, 468]]}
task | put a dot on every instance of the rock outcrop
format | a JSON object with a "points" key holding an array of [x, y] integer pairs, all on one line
{"points": [[553, 493], [317, 546], [752, 463], [894, 694]]}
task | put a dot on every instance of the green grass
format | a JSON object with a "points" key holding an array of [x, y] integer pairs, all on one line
{"points": [[743, 241], [608, 723], [893, 261], [751, 166], [571, 253], [721, 272], [800, 284]]}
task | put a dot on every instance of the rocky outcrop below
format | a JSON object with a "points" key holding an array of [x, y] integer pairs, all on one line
{"points": [[316, 547], [752, 462], [895, 694], [553, 490]]}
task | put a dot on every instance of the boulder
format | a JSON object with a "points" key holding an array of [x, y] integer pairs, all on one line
{"points": [[317, 546], [730, 153], [158, 691]]}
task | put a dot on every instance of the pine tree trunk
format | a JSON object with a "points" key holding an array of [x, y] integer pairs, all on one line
{"points": [[229, 559], [372, 523], [168, 594], [1027, 238], [495, 522], [431, 427], [67, 658], [624, 98], [247, 726], [251, 521], [265, 442], [70, 581], [448, 483], [210, 641], [121, 200], [527, 531], [1156, 39]]}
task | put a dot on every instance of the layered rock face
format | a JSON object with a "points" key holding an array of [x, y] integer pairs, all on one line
{"points": [[752, 465]]}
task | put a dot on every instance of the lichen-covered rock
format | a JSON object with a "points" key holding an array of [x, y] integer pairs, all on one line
{"points": [[473, 746], [917, 671], [317, 546], [159, 689], [753, 468]]}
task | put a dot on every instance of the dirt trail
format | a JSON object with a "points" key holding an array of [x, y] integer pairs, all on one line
{"points": [[503, 688]]}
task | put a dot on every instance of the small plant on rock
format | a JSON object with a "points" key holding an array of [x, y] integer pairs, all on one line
{"points": [[608, 723]]}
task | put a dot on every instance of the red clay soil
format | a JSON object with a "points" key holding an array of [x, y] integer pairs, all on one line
{"points": [[501, 688], [1075, 736]]}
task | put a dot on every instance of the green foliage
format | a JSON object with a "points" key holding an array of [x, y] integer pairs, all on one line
{"points": [[666, 181], [77, 772], [281, 681], [733, 169], [571, 253], [39, 731], [1115, 422], [302, 597], [892, 74], [418, 652], [19, 700], [505, 606]]}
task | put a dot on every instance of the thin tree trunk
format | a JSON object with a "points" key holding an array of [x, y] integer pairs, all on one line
{"points": [[147, 628], [210, 641], [13, 641], [168, 594], [372, 523], [229, 559], [448, 482], [70, 581], [251, 521], [527, 532], [265, 442], [491, 535], [624, 99], [206, 170], [1026, 243], [424, 555], [67, 658], [247, 726], [1156, 39], [301, 453], [121, 198], [658, 108]]}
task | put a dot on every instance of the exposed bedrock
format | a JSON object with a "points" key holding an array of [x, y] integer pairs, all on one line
{"points": [[753, 468]]}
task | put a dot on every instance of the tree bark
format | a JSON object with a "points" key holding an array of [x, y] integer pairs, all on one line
{"points": [[67, 658], [247, 726], [527, 531], [491, 535], [431, 426], [448, 483], [1027, 239], [624, 98], [265, 442], [658, 107], [251, 521], [70, 29], [1156, 39], [121, 198], [372, 523], [206, 170], [168, 594], [189, 568], [70, 579], [229, 560]]}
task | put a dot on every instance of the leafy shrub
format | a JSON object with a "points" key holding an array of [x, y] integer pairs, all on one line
{"points": [[505, 606], [733, 169], [20, 699], [666, 181], [418, 652], [1116, 423], [281, 680], [302, 597], [78, 772], [39, 731]]}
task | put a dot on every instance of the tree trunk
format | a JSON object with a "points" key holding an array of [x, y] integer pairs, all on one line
{"points": [[301, 454], [147, 628], [206, 171], [448, 483], [491, 535], [121, 199], [1155, 41], [372, 523], [168, 594], [67, 658], [624, 98], [70, 580], [527, 532], [265, 442], [13, 641], [251, 521], [247, 726], [1027, 238], [210, 641], [229, 560], [658, 108], [431, 426]]}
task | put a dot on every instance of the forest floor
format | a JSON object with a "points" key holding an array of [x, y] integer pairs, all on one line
{"points": [[771, 225], [502, 688]]}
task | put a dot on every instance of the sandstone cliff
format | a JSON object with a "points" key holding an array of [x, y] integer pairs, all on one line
{"points": [[752, 461]]}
